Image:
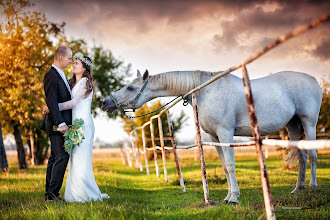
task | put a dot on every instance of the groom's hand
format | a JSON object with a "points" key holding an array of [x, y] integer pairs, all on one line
{"points": [[46, 110], [64, 128]]}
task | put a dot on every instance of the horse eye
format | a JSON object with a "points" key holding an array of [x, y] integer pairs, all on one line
{"points": [[130, 88]]}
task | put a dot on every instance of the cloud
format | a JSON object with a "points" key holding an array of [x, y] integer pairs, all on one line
{"points": [[190, 25], [257, 25], [322, 51]]}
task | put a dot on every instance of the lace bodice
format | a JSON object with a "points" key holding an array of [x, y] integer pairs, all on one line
{"points": [[77, 94]]}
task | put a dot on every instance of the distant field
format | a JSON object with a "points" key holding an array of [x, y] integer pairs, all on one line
{"points": [[134, 195]]}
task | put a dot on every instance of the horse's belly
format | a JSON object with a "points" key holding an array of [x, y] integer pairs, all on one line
{"points": [[271, 118], [243, 131], [246, 131], [268, 122]]}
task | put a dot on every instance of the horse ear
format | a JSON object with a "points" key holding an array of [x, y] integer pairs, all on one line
{"points": [[139, 74], [145, 75]]}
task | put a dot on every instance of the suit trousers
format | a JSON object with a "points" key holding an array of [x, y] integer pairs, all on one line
{"points": [[56, 167]]}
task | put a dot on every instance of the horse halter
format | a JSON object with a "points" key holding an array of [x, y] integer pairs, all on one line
{"points": [[134, 101]]}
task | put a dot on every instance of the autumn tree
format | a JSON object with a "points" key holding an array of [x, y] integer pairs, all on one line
{"points": [[26, 51]]}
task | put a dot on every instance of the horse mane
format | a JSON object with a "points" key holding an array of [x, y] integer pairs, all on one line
{"points": [[181, 81]]}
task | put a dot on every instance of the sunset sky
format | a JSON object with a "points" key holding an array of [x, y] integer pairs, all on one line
{"points": [[208, 35]]}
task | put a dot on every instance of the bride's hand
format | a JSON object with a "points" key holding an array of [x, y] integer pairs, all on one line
{"points": [[46, 110]]}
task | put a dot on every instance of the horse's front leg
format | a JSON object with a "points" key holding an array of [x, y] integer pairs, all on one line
{"points": [[223, 162], [227, 136]]}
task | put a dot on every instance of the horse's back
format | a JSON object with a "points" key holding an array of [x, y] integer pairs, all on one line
{"points": [[304, 90], [291, 93], [277, 98]]}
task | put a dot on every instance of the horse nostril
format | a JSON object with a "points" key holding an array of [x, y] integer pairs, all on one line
{"points": [[104, 103]]}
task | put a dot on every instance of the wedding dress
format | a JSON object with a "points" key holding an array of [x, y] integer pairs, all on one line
{"points": [[80, 183]]}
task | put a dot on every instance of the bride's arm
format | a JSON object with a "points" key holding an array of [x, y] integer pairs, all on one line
{"points": [[78, 96]]}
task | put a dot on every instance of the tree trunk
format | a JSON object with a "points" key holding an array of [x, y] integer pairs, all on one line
{"points": [[32, 150], [41, 146], [3, 157], [20, 148]]}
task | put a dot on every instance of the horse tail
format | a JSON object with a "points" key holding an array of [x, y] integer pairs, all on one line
{"points": [[292, 157], [293, 152]]}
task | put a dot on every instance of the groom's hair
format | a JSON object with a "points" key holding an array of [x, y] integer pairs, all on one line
{"points": [[61, 51]]}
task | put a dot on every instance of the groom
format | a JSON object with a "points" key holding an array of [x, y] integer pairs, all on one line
{"points": [[57, 90]]}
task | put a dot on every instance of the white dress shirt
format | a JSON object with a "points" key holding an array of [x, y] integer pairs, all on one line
{"points": [[67, 86]]}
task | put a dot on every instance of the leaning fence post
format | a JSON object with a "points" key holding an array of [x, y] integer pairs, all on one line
{"points": [[138, 150], [176, 158], [133, 150], [154, 146], [145, 151], [201, 153], [256, 134], [128, 153], [161, 137], [123, 155]]}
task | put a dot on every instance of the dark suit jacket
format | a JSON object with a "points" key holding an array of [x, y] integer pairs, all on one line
{"points": [[56, 92]]}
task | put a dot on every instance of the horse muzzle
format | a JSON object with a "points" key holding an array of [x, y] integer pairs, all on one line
{"points": [[108, 105]]}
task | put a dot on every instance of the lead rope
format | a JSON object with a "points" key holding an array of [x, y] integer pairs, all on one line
{"points": [[185, 103]]}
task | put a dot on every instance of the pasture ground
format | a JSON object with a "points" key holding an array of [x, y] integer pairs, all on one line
{"points": [[134, 195]]}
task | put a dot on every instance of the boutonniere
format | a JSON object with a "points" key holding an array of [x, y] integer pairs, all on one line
{"points": [[67, 78]]}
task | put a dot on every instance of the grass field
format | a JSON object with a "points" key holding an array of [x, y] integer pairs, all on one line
{"points": [[137, 196]]}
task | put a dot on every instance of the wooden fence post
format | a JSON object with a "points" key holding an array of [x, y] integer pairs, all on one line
{"points": [[201, 153], [176, 158], [152, 131], [123, 155], [261, 159], [128, 153], [161, 137], [136, 164], [139, 157], [145, 151]]}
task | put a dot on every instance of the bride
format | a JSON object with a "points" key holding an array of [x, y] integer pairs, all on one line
{"points": [[80, 183]]}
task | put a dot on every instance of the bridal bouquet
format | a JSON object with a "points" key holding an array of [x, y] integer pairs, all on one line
{"points": [[74, 135]]}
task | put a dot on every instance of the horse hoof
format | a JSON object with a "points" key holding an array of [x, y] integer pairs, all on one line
{"points": [[233, 198], [227, 198], [298, 189], [233, 202], [312, 185]]}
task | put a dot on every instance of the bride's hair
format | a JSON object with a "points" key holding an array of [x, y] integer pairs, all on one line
{"points": [[88, 74]]}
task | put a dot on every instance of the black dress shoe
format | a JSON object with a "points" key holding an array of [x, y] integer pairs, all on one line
{"points": [[59, 199], [53, 198]]}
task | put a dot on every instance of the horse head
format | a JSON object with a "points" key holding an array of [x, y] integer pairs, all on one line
{"points": [[131, 96]]}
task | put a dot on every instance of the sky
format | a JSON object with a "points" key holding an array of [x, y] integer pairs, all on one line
{"points": [[210, 35]]}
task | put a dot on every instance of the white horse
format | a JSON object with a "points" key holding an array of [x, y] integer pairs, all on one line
{"points": [[289, 99]]}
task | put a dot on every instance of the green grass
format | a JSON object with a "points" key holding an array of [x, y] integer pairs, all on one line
{"points": [[134, 195]]}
